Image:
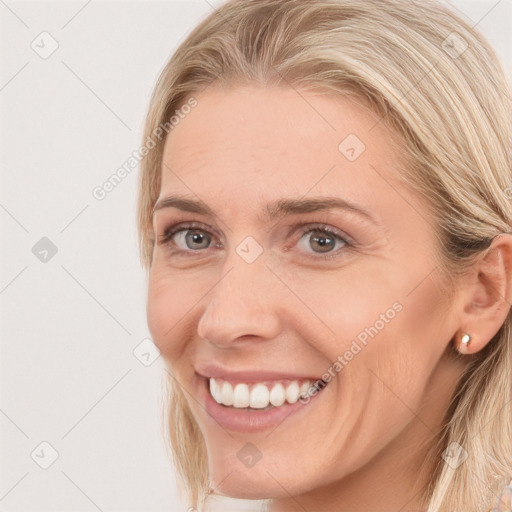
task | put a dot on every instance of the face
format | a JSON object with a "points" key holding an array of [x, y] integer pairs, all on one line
{"points": [[290, 254]]}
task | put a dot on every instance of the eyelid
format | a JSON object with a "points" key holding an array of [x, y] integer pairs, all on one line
{"points": [[324, 226]]}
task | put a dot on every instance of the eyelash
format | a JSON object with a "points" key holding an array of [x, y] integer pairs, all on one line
{"points": [[322, 229]]}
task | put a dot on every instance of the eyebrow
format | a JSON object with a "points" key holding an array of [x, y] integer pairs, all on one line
{"points": [[273, 210]]}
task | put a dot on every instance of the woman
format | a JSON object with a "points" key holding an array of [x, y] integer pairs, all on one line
{"points": [[325, 220]]}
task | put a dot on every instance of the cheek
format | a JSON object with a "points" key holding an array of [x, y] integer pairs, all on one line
{"points": [[170, 299], [403, 346], [353, 304], [370, 319]]}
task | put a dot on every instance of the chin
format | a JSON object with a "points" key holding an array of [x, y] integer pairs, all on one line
{"points": [[268, 478], [245, 484]]}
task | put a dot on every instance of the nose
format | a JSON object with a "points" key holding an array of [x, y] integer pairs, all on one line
{"points": [[243, 305]]}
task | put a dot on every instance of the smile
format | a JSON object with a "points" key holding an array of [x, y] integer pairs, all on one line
{"points": [[258, 395], [254, 400]]}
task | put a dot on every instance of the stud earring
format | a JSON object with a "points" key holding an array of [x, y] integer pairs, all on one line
{"points": [[464, 342]]}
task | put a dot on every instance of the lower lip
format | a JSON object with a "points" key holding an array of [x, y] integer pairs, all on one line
{"points": [[249, 420]]}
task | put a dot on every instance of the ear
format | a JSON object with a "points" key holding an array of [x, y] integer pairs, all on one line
{"points": [[486, 295]]}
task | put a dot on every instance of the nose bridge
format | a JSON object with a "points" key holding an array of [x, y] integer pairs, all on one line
{"points": [[241, 303]]}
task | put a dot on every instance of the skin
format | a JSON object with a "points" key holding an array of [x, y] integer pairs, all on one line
{"points": [[363, 443]]}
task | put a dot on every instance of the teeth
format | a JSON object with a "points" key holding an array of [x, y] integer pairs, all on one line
{"points": [[257, 395], [292, 392], [214, 390], [278, 395], [303, 390], [226, 392], [260, 397], [241, 396]]}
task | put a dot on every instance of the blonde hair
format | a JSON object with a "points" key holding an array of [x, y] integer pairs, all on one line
{"points": [[437, 82]]}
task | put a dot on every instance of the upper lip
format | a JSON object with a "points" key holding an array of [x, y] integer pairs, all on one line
{"points": [[219, 372]]}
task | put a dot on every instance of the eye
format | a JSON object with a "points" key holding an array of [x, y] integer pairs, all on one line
{"points": [[189, 237], [193, 239], [185, 239], [322, 240]]}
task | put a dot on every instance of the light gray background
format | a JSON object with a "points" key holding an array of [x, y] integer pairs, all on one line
{"points": [[69, 325]]}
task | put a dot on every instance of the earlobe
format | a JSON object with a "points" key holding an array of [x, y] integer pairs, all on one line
{"points": [[487, 296], [464, 343]]}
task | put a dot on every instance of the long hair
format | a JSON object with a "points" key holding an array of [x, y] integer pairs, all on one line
{"points": [[437, 82]]}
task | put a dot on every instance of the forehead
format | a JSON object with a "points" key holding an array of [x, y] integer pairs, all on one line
{"points": [[242, 146]]}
